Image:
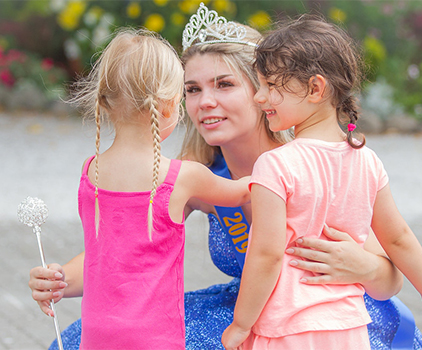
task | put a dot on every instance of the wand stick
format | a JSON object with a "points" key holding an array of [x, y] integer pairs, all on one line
{"points": [[33, 212]]}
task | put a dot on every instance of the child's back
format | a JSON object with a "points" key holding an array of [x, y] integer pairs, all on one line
{"points": [[322, 183], [133, 287], [131, 211]]}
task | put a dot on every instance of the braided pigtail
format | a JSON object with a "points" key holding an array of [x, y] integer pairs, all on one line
{"points": [[349, 108], [97, 173], [157, 157]]}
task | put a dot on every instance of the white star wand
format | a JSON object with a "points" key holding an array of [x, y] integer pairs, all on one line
{"points": [[33, 212]]}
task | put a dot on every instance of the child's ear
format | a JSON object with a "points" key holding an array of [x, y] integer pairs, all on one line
{"points": [[169, 109], [317, 86]]}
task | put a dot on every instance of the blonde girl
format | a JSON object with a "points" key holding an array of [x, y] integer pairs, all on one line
{"points": [[131, 199]]}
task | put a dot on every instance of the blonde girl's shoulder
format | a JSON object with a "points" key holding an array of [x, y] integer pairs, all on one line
{"points": [[192, 177], [84, 164], [191, 168]]}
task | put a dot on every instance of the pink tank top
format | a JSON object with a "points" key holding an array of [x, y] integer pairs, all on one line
{"points": [[133, 288]]}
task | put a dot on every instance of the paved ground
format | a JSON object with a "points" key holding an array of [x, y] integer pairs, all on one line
{"points": [[41, 156]]}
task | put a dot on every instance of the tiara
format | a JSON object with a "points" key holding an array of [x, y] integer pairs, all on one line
{"points": [[200, 27]]}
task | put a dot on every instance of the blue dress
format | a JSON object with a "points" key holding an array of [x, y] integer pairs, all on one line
{"points": [[208, 312]]}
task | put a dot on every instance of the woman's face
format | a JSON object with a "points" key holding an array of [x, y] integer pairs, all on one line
{"points": [[220, 104]]}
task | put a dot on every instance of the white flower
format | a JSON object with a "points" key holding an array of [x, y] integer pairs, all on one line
{"points": [[379, 98], [90, 19], [413, 71], [57, 5], [99, 35], [107, 20], [82, 35], [71, 49]]}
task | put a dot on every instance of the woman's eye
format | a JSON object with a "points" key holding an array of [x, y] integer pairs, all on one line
{"points": [[224, 84], [192, 89]]}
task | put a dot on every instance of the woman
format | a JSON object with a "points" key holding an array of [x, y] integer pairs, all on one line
{"points": [[228, 132]]}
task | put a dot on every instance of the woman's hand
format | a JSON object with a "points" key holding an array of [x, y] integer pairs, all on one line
{"points": [[47, 284], [340, 261], [343, 261]]}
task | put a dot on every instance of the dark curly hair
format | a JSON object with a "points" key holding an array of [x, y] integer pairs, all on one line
{"points": [[307, 46]]}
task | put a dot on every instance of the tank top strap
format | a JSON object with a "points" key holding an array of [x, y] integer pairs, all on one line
{"points": [[86, 165], [174, 168]]}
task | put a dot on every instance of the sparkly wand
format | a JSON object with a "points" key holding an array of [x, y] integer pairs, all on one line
{"points": [[33, 212]]}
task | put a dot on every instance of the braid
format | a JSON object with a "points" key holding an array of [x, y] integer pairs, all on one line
{"points": [[97, 173], [157, 156], [349, 108]]}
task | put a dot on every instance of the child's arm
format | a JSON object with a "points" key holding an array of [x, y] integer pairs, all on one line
{"points": [[204, 185], [262, 266], [397, 238]]}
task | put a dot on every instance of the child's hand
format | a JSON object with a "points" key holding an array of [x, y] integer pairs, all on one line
{"points": [[233, 337], [47, 284]]}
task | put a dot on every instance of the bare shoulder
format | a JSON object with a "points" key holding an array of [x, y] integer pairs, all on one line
{"points": [[85, 161], [193, 170], [191, 177], [190, 156]]}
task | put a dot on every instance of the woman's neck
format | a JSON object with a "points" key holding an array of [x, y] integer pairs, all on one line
{"points": [[241, 157]]}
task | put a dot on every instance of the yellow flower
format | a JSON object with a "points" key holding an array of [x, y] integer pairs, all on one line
{"points": [[3, 43], [260, 19], [177, 19], [155, 22], [133, 10], [161, 2], [93, 15], [96, 11], [337, 15], [222, 5], [190, 6], [375, 49], [69, 18]]}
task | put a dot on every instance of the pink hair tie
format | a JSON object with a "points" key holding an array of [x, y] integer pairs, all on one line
{"points": [[351, 127]]}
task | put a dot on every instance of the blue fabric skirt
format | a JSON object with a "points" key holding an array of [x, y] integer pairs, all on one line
{"points": [[208, 312]]}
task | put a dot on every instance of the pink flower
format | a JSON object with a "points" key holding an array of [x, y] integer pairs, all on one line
{"points": [[2, 57], [7, 78], [47, 64], [16, 56]]}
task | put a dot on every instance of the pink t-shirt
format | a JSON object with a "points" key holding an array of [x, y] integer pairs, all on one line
{"points": [[322, 183], [133, 288]]}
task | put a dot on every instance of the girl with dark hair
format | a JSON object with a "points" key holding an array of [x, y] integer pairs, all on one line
{"points": [[308, 72]]}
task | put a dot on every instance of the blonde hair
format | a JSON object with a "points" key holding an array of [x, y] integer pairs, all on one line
{"points": [[137, 72], [240, 59]]}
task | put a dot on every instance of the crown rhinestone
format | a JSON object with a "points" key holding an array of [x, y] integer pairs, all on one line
{"points": [[206, 23]]}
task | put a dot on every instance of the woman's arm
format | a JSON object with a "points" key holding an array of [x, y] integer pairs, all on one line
{"points": [[57, 282], [343, 261], [262, 266]]}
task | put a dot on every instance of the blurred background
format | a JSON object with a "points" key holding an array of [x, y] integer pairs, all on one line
{"points": [[46, 44]]}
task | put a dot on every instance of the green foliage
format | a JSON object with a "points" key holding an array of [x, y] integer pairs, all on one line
{"points": [[389, 31]]}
